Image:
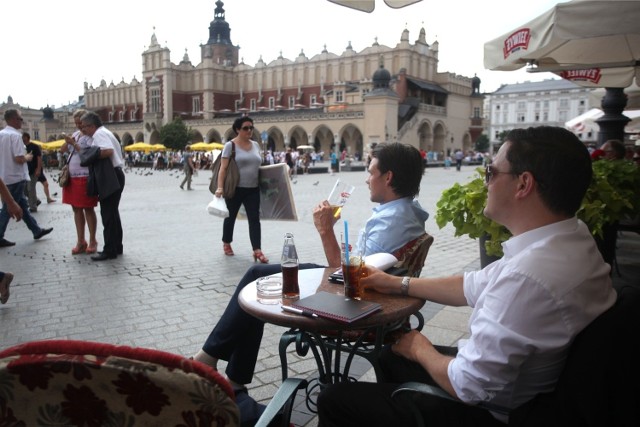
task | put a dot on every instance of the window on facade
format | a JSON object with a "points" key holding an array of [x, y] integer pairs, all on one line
{"points": [[562, 116], [520, 117], [521, 105], [313, 99], [537, 117], [497, 107], [132, 115], [476, 112], [545, 117], [339, 96], [365, 92], [546, 103], [581, 102], [292, 102], [252, 104], [154, 97], [121, 116], [564, 102], [236, 104], [272, 103], [195, 104], [110, 116]]}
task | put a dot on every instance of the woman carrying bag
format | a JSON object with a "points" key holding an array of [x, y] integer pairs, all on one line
{"points": [[247, 193]]}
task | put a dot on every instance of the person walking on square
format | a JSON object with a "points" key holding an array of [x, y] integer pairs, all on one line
{"points": [[108, 191], [188, 167], [36, 170], [248, 159], [14, 212], [75, 194], [527, 307], [14, 173]]}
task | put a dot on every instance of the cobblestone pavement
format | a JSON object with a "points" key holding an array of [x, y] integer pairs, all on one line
{"points": [[174, 281]]}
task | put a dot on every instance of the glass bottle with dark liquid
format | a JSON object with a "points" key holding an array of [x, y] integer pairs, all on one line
{"points": [[289, 263]]}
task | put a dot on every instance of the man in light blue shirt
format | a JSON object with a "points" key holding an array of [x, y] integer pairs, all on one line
{"points": [[394, 180]]}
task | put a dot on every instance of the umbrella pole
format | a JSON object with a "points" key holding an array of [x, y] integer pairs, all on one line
{"points": [[612, 123]]}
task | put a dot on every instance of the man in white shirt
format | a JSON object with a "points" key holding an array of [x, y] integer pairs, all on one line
{"points": [[109, 149], [527, 307], [14, 173]]}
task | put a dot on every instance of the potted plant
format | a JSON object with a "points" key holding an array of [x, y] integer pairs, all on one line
{"points": [[613, 194], [462, 205]]}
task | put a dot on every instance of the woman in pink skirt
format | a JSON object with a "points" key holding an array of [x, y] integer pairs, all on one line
{"points": [[75, 194]]}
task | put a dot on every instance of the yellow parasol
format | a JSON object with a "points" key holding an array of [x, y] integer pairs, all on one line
{"points": [[53, 145], [138, 146]]}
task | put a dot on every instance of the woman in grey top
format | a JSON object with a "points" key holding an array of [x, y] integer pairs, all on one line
{"points": [[247, 192]]}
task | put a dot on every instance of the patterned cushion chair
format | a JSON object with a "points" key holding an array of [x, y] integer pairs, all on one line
{"points": [[81, 383]]}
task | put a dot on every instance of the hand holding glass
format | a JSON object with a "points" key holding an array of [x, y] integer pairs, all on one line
{"points": [[339, 195]]}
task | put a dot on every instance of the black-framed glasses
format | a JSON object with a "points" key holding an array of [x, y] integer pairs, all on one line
{"points": [[490, 171], [247, 128]]}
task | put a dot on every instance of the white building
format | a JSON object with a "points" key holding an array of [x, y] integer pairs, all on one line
{"points": [[549, 102]]}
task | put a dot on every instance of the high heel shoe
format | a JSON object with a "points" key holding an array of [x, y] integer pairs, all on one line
{"points": [[92, 249], [259, 256], [79, 249], [226, 247]]}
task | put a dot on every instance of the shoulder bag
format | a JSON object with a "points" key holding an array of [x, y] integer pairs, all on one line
{"points": [[232, 177], [63, 178]]}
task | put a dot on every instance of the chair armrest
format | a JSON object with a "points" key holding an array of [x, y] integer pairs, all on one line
{"points": [[282, 402], [417, 387]]}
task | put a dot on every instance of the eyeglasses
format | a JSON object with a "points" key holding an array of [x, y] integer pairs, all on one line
{"points": [[247, 128], [490, 171], [20, 119]]}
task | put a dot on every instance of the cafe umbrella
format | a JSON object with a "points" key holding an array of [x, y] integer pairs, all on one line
{"points": [[591, 43], [370, 5]]}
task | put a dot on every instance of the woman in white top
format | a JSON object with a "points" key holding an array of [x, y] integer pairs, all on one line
{"points": [[75, 194]]}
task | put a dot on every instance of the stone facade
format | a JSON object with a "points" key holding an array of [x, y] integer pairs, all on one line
{"points": [[326, 100]]}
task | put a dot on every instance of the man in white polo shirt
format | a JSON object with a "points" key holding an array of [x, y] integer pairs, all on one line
{"points": [[109, 146], [14, 173]]}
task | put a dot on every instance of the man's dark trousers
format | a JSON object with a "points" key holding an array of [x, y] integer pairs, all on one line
{"points": [[112, 233]]}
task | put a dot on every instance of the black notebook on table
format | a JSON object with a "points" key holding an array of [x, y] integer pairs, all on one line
{"points": [[337, 307]]}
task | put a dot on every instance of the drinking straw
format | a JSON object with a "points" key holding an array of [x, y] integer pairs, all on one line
{"points": [[346, 243]]}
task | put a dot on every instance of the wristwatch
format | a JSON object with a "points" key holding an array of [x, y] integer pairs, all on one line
{"points": [[404, 288]]}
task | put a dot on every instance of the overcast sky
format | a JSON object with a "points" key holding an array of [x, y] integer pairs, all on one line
{"points": [[52, 48]]}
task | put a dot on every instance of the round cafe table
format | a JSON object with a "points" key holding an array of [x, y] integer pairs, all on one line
{"points": [[326, 338]]}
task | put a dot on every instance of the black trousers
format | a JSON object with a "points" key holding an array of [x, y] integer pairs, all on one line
{"points": [[110, 215], [370, 404], [250, 198]]}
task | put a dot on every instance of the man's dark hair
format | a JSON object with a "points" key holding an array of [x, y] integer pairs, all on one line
{"points": [[92, 118], [406, 164], [10, 114], [559, 162], [27, 134], [237, 123]]}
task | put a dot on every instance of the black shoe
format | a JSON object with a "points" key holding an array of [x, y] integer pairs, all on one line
{"points": [[4, 243], [43, 232], [38, 203], [103, 256]]}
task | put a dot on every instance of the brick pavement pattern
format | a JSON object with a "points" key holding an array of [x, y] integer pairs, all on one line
{"points": [[173, 281]]}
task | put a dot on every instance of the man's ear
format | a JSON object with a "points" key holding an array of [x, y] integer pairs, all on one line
{"points": [[389, 178], [526, 184]]}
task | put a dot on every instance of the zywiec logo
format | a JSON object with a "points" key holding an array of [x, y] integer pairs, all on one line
{"points": [[516, 41], [592, 75], [345, 195]]}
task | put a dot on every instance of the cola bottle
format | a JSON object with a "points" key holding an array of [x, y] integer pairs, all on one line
{"points": [[289, 263]]}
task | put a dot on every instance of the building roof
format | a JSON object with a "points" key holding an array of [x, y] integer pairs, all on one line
{"points": [[427, 86], [545, 85]]}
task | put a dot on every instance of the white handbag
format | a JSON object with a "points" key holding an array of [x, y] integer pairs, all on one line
{"points": [[218, 207]]}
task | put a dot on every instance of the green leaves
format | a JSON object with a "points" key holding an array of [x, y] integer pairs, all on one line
{"points": [[463, 207], [613, 194]]}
